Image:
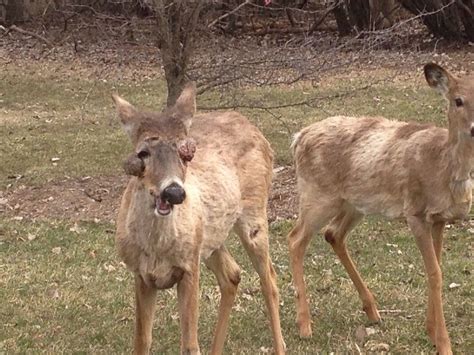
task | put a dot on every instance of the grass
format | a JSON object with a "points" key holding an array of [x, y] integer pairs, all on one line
{"points": [[63, 288], [66, 291]]}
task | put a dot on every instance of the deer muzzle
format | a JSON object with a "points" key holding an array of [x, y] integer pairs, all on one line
{"points": [[174, 194]]}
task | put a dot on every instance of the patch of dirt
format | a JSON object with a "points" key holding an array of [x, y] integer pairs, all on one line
{"points": [[75, 199], [98, 198], [283, 201]]}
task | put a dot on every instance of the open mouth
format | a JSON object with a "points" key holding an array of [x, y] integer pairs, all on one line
{"points": [[162, 207]]}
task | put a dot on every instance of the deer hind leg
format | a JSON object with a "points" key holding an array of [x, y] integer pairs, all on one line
{"points": [[145, 299], [336, 235], [252, 229], [430, 250], [311, 219], [227, 273]]}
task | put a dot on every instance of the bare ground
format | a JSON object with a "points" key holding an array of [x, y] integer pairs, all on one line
{"points": [[98, 198]]}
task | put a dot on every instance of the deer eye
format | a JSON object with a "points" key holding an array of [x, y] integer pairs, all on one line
{"points": [[142, 154], [459, 102]]}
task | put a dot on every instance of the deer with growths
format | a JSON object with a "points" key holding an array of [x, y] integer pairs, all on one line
{"points": [[348, 167], [189, 186]]}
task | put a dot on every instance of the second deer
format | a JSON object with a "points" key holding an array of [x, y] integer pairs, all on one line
{"points": [[348, 167]]}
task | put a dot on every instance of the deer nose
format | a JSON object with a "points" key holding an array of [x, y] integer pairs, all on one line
{"points": [[174, 194]]}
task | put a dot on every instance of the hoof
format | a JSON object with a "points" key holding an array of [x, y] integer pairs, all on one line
{"points": [[375, 322], [305, 331]]}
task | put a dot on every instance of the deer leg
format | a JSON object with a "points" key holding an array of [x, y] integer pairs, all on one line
{"points": [[298, 241], [227, 273], [254, 237], [426, 244], [437, 233], [336, 235], [145, 298], [188, 302]]}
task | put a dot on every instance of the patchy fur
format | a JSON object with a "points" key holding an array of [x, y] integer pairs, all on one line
{"points": [[348, 167]]}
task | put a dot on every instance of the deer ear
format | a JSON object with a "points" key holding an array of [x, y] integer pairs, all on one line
{"points": [[185, 106], [437, 78], [127, 114]]}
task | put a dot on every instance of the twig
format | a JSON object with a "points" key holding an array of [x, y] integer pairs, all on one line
{"points": [[92, 197], [323, 17], [26, 32], [227, 14], [310, 102]]}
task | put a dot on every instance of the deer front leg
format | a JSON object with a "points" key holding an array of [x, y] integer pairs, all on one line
{"points": [[437, 233], [188, 302], [425, 243], [145, 299]]}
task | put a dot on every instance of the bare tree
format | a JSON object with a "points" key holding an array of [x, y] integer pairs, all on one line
{"points": [[451, 19], [177, 23]]}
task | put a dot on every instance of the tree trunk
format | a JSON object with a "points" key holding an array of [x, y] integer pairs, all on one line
{"points": [[359, 14], [177, 22], [15, 11], [343, 25], [445, 18]]}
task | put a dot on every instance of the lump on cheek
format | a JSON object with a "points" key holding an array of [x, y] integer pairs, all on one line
{"points": [[133, 165], [186, 150]]}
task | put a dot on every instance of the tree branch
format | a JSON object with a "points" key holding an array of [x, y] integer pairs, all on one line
{"points": [[26, 32]]}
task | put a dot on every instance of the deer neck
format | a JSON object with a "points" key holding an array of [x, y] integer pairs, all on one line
{"points": [[461, 156]]}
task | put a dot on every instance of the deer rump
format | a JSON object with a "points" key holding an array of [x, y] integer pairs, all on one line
{"points": [[379, 166]]}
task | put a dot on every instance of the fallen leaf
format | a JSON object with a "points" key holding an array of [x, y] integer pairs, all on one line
{"points": [[56, 250], [109, 267], [377, 347], [76, 229], [370, 331], [360, 334], [53, 293], [454, 285]]}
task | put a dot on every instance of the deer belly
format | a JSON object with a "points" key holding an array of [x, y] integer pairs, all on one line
{"points": [[379, 204], [457, 211], [160, 274]]}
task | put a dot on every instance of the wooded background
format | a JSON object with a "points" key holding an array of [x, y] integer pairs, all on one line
{"points": [[179, 22]]}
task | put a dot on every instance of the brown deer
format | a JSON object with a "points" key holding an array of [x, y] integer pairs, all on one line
{"points": [[189, 187], [348, 167]]}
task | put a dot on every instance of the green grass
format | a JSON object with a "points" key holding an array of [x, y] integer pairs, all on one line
{"points": [[79, 298]]}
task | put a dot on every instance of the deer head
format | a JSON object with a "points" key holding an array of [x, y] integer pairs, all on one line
{"points": [[460, 96], [162, 148]]}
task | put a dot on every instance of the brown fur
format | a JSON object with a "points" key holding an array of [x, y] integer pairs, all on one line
{"points": [[407, 130], [226, 184], [347, 167]]}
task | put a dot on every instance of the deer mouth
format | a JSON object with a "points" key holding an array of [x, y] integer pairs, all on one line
{"points": [[162, 207]]}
